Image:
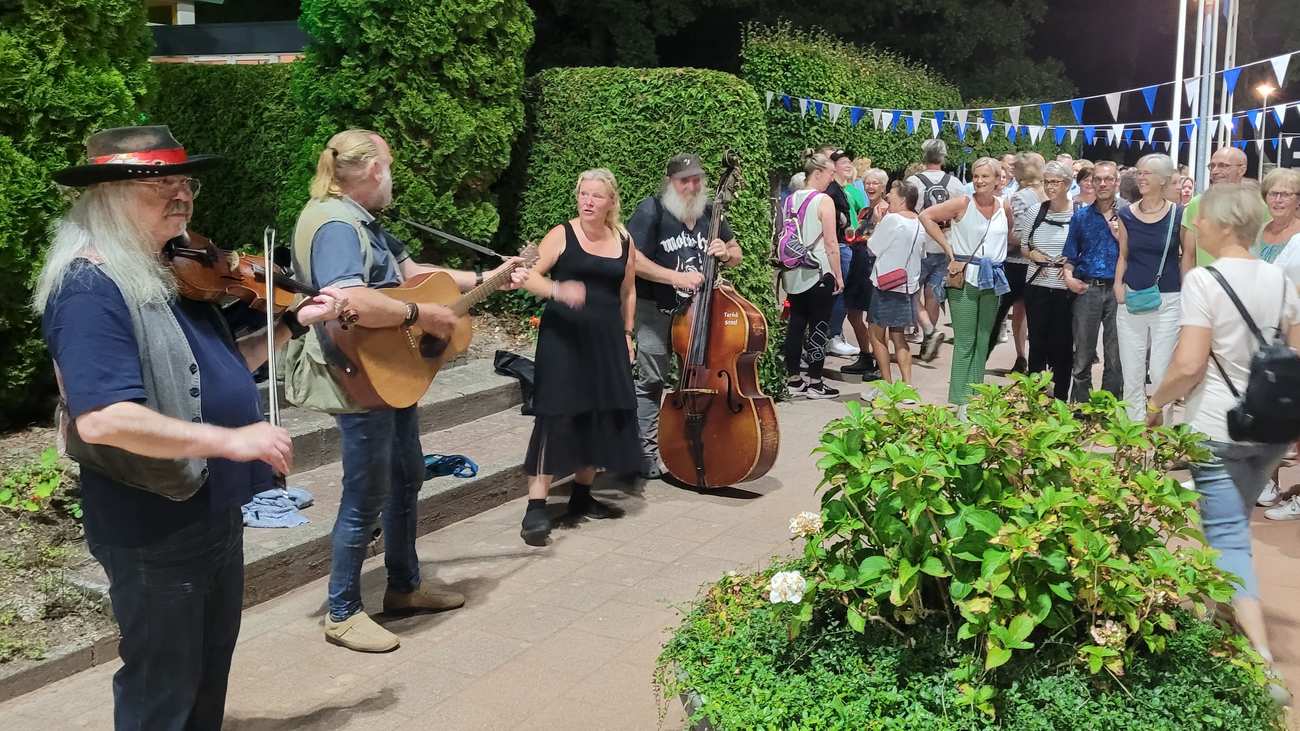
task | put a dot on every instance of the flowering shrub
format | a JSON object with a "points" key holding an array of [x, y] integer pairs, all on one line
{"points": [[1025, 525]]}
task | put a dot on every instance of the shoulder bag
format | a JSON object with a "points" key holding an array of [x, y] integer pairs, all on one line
{"points": [[1141, 301]]}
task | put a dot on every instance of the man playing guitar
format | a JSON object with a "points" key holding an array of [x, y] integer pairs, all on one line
{"points": [[338, 243]]}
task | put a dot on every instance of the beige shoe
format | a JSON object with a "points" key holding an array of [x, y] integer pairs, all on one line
{"points": [[361, 633], [422, 600]]}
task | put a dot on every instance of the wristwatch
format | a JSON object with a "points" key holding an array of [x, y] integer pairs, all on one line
{"points": [[290, 320], [412, 314]]}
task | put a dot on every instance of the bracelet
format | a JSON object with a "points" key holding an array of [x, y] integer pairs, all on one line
{"points": [[628, 333], [554, 285], [1153, 409], [412, 314], [478, 279], [290, 320]]}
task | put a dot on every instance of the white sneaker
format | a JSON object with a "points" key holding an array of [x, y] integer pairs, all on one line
{"points": [[1005, 335], [1288, 510], [1270, 496], [839, 347], [869, 395]]}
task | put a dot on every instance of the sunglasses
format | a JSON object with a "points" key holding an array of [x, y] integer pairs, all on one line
{"points": [[167, 189]]}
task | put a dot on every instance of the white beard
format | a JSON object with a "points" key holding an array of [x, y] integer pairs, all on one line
{"points": [[683, 210]]}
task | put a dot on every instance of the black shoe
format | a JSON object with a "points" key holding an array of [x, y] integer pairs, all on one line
{"points": [[820, 391], [1021, 366], [536, 527], [871, 375], [651, 469], [593, 508], [863, 364]]}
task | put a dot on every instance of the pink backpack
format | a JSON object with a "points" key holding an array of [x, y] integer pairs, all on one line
{"points": [[790, 251]]}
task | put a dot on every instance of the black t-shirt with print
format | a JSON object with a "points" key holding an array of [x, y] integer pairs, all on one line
{"points": [[667, 242]]}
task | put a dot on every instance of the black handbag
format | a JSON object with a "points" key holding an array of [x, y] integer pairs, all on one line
{"points": [[512, 364]]}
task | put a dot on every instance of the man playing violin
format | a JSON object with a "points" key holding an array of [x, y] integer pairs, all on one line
{"points": [[159, 407], [338, 243], [670, 231]]}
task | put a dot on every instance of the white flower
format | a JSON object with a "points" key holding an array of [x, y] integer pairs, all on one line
{"points": [[787, 586], [806, 524]]}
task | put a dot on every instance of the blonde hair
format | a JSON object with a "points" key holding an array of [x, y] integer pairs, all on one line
{"points": [[986, 162], [100, 226], [862, 166], [613, 216], [814, 161], [1029, 168], [346, 157], [1280, 176], [1235, 207]]}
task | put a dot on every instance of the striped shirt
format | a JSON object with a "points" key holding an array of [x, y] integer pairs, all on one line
{"points": [[1048, 240]]}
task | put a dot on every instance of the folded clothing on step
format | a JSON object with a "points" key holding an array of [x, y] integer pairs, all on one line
{"points": [[276, 508]]}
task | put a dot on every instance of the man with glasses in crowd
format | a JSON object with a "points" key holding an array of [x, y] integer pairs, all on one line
{"points": [[1227, 166], [1091, 251]]}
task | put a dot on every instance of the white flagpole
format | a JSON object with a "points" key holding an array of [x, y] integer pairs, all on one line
{"points": [[1195, 109], [1178, 74], [1229, 61]]}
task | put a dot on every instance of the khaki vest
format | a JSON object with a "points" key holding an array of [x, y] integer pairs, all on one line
{"points": [[308, 381]]}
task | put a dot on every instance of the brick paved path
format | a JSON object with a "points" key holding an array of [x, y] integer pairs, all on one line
{"points": [[563, 637]]}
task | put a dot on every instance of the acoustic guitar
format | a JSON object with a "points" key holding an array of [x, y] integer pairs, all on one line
{"points": [[392, 367]]}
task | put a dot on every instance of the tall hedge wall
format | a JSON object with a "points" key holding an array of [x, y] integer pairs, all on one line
{"points": [[631, 121], [261, 133], [813, 64], [67, 68], [442, 82]]}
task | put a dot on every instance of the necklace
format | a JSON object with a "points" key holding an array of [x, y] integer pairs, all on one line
{"points": [[1161, 208]]}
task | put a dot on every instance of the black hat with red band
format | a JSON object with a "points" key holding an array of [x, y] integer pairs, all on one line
{"points": [[132, 153]]}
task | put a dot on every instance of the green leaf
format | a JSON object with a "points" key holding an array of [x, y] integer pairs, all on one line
{"points": [[933, 566], [906, 569], [997, 655], [1062, 589], [872, 567], [1020, 627], [966, 631], [985, 521], [959, 590], [856, 621]]}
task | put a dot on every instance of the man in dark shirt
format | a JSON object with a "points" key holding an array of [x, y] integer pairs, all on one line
{"points": [[1091, 251], [148, 414], [671, 233]]}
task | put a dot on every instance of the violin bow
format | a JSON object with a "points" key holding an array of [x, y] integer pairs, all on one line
{"points": [[272, 389]]}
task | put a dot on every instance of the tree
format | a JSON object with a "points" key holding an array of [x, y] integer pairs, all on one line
{"points": [[67, 68]]}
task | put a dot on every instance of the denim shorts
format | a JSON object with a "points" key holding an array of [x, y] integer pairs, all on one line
{"points": [[934, 270]]}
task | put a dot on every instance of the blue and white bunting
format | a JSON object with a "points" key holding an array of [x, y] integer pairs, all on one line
{"points": [[835, 110], [1046, 111], [1230, 78], [1280, 64], [1059, 134], [769, 99], [1147, 129], [1149, 94], [1112, 101], [1014, 114], [1077, 106]]}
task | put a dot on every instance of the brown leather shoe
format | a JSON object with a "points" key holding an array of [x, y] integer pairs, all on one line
{"points": [[422, 600], [361, 633]]}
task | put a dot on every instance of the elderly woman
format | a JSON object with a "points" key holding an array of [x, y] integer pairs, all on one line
{"points": [[1086, 195], [1148, 277], [1048, 302], [811, 291], [896, 246], [1229, 221], [164, 420], [976, 245]]}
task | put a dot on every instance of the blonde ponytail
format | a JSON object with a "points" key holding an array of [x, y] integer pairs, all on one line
{"points": [[346, 157], [613, 216]]}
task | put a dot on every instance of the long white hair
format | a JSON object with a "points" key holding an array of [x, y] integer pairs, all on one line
{"points": [[99, 226]]}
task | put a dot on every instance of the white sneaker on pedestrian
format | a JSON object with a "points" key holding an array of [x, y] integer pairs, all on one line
{"points": [[839, 347], [1270, 496], [1288, 510], [1005, 334], [869, 395]]}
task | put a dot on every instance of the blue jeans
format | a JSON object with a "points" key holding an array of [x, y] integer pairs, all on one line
{"points": [[383, 468], [1229, 485], [838, 309], [177, 603]]}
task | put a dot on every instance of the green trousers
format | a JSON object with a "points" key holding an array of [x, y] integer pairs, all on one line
{"points": [[973, 311]]}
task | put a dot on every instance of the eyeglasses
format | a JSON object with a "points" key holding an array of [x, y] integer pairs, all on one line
{"points": [[1053, 182], [1226, 165], [1281, 195], [167, 189]]}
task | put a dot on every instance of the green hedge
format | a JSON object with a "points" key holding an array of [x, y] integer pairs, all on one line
{"points": [[67, 68], [814, 64], [441, 82], [631, 121], [247, 114]]}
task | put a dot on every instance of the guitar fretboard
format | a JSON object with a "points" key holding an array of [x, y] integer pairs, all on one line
{"points": [[481, 292]]}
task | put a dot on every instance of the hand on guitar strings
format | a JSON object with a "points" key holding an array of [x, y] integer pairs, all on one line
{"points": [[327, 305], [517, 277], [718, 250], [437, 320]]}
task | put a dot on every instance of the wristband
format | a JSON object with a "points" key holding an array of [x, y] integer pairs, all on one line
{"points": [[1153, 409], [628, 333], [478, 279], [290, 320], [554, 284], [412, 314]]}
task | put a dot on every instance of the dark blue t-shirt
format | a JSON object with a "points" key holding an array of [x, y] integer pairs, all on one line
{"points": [[1146, 242], [88, 330]]}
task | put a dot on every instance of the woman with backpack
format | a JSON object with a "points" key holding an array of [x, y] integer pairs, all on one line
{"points": [[1048, 303], [811, 284], [1227, 310]]}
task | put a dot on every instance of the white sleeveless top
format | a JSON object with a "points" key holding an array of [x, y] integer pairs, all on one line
{"points": [[965, 235], [802, 279]]}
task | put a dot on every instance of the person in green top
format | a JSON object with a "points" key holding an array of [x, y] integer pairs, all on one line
{"points": [[1227, 165]]}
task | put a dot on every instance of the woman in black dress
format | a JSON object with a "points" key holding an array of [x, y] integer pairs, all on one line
{"points": [[584, 402]]}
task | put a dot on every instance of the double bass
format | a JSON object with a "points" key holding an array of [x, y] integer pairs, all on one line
{"points": [[717, 428]]}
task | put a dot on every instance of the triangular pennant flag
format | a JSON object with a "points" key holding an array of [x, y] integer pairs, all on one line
{"points": [[1116, 131], [1089, 134], [803, 106], [1112, 101], [988, 116], [910, 123], [1077, 106], [817, 108], [785, 100], [1173, 129], [878, 118], [1128, 134], [1279, 113], [836, 110], [894, 116], [916, 118], [1147, 127], [1272, 144], [855, 116], [1187, 131], [960, 127], [1230, 78], [1035, 133], [1074, 135], [1193, 87], [939, 116], [1149, 94], [1011, 132], [1214, 126], [1014, 114], [1059, 134], [769, 98], [1253, 116], [1046, 111], [1279, 67], [934, 127], [1225, 119], [984, 132], [963, 115]]}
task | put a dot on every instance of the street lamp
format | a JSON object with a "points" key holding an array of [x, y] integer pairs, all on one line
{"points": [[1263, 90]]}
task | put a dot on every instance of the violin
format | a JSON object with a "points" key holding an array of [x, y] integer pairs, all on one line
{"points": [[207, 273], [717, 427]]}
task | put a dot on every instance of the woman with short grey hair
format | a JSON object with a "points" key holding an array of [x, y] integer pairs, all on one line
{"points": [[1049, 304], [1148, 278]]}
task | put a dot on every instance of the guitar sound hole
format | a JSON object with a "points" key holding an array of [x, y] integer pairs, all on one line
{"points": [[431, 347]]}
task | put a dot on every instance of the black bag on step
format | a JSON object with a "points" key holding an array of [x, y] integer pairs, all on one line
{"points": [[521, 368]]}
